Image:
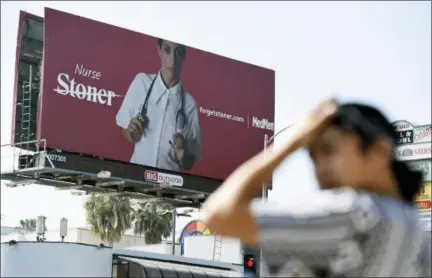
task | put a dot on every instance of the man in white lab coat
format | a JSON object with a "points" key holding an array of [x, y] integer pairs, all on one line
{"points": [[160, 117]]}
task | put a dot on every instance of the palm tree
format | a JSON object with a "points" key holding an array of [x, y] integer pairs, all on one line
{"points": [[109, 216], [29, 224], [153, 220]]}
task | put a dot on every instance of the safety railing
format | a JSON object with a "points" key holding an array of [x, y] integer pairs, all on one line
{"points": [[15, 158]]}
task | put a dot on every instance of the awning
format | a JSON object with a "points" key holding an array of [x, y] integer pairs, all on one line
{"points": [[158, 269]]}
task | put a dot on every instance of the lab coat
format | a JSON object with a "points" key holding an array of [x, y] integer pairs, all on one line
{"points": [[154, 148]]}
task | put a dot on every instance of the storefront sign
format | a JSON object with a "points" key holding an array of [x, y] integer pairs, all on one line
{"points": [[413, 152], [426, 219], [404, 132], [423, 199], [402, 126], [424, 166], [422, 134], [408, 133]]}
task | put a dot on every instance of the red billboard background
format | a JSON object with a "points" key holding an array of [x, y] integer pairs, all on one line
{"points": [[216, 82]]}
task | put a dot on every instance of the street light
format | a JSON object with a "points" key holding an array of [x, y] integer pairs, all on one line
{"points": [[267, 141], [174, 218]]}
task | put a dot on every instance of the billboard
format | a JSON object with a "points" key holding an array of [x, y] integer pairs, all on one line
{"points": [[125, 96]]}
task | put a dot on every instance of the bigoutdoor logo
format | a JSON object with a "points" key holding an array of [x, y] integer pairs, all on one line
{"points": [[156, 177]]}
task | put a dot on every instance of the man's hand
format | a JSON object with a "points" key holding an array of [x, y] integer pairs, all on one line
{"points": [[135, 130], [316, 122], [178, 145]]}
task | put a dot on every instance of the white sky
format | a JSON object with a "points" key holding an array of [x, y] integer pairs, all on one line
{"points": [[378, 52]]}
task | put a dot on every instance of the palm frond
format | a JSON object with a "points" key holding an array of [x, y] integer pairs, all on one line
{"points": [[153, 220], [109, 217]]}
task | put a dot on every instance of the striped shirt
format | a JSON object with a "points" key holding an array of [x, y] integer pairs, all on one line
{"points": [[342, 233]]}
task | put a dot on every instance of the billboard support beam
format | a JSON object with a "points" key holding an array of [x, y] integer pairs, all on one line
{"points": [[67, 171], [109, 183]]}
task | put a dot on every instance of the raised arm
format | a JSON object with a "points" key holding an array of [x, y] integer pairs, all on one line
{"points": [[227, 210]]}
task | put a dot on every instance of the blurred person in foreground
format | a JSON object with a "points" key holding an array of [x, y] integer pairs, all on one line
{"points": [[362, 224]]}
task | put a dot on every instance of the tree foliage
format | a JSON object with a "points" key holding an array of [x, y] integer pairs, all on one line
{"points": [[153, 220], [110, 217], [29, 224]]}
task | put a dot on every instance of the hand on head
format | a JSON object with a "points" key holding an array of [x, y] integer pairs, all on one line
{"points": [[314, 124]]}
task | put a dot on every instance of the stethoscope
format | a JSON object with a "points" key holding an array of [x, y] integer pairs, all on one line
{"points": [[180, 116]]}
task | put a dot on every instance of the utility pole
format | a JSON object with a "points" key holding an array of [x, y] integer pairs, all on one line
{"points": [[174, 218], [264, 196], [174, 215]]}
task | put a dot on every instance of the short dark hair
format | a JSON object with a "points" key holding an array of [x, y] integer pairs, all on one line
{"points": [[160, 43], [369, 124]]}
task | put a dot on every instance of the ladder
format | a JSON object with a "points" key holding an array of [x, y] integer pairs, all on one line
{"points": [[26, 116], [217, 248]]}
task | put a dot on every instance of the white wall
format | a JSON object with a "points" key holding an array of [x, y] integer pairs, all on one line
{"points": [[161, 248], [202, 247], [35, 259], [78, 235], [86, 236], [199, 247], [8, 230]]}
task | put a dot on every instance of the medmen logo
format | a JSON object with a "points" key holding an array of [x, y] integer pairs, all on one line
{"points": [[262, 123], [157, 177]]}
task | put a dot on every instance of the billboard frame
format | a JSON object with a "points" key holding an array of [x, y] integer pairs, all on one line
{"points": [[86, 174], [81, 171], [18, 54]]}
